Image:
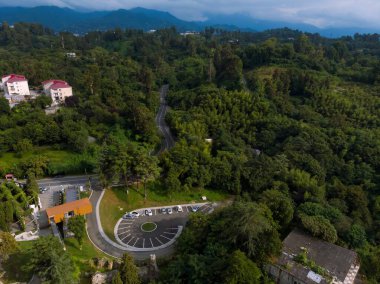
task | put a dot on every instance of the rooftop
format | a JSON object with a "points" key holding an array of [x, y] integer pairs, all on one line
{"points": [[56, 86], [53, 81], [69, 206], [14, 78], [336, 260]]}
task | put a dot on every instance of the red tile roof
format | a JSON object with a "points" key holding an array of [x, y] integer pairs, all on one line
{"points": [[53, 81], [56, 86], [15, 78]]}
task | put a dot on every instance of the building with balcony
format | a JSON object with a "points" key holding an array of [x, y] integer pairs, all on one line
{"points": [[58, 90]]}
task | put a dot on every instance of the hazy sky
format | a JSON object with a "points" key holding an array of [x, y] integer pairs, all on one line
{"points": [[321, 13]]}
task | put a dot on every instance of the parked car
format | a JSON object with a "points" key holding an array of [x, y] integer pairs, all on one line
{"points": [[128, 216], [148, 212], [135, 214], [179, 208], [163, 210], [194, 208], [131, 215], [42, 190], [170, 211]]}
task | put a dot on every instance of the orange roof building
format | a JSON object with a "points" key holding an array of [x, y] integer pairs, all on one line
{"points": [[69, 209]]}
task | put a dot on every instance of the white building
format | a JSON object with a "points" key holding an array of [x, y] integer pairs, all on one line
{"points": [[71, 55], [15, 85], [58, 90]]}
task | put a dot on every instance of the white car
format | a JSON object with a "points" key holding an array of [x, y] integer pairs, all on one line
{"points": [[128, 216], [179, 208], [194, 208], [170, 211], [148, 212], [135, 214], [131, 215]]}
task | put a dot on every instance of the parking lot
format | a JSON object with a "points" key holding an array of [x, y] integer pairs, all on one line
{"points": [[164, 228], [53, 186]]}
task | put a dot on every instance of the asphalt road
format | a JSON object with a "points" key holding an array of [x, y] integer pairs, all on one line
{"points": [[168, 141], [66, 181]]}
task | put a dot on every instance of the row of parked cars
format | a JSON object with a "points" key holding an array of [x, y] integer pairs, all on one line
{"points": [[167, 210]]}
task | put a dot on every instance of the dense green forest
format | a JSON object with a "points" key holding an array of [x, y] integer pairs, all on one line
{"points": [[291, 122]]}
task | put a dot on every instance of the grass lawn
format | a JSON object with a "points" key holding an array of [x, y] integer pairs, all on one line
{"points": [[60, 161], [116, 202], [148, 227], [82, 257]]}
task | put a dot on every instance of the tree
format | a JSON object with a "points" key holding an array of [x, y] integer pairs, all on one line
{"points": [[4, 106], [32, 187], [116, 158], [22, 146], [280, 204], [116, 279], [36, 166], [50, 262], [128, 270], [8, 245], [319, 227], [253, 232], [356, 236], [241, 270], [77, 225], [146, 167]]}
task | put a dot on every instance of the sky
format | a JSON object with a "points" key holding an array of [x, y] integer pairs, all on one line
{"points": [[320, 13]]}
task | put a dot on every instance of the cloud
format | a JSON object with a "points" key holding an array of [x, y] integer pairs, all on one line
{"points": [[321, 13]]}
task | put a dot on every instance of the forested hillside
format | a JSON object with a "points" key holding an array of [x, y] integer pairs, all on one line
{"points": [[291, 122]]}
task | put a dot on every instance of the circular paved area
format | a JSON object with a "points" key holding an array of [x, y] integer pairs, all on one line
{"points": [[128, 232]]}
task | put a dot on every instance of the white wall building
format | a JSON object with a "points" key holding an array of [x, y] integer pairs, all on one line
{"points": [[58, 90], [15, 85]]}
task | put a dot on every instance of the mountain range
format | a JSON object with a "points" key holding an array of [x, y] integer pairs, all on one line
{"points": [[65, 19]]}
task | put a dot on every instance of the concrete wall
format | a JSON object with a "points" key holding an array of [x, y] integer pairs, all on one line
{"points": [[58, 96], [281, 276], [17, 88]]}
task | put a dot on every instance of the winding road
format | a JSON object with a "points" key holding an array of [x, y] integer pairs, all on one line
{"points": [[94, 228], [168, 141], [93, 225]]}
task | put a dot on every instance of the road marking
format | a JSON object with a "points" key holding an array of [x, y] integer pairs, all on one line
{"points": [[125, 237], [144, 243], [136, 241], [172, 228], [122, 227], [130, 240], [155, 211], [187, 208], [151, 242], [159, 241], [122, 232], [170, 233], [165, 237]]}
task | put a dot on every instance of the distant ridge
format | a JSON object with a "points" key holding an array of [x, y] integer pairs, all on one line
{"points": [[65, 19]]}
